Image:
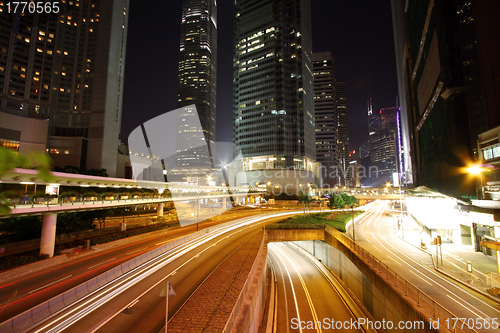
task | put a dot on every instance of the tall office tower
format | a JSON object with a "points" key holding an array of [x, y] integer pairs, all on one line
{"points": [[343, 132], [61, 81], [448, 71], [383, 147], [407, 147], [325, 108], [197, 79], [273, 104]]}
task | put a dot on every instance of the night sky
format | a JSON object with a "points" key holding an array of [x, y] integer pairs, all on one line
{"points": [[357, 32]]}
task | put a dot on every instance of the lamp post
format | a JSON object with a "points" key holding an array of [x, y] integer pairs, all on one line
{"points": [[475, 170], [198, 192], [352, 217]]}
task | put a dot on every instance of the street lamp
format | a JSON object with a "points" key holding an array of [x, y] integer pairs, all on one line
{"points": [[477, 170]]}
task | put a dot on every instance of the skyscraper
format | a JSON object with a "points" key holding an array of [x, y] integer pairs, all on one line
{"points": [[273, 105], [343, 132], [447, 57], [67, 69], [325, 107], [383, 147], [197, 78]]}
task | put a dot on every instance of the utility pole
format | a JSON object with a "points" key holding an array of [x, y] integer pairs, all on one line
{"points": [[352, 218]]}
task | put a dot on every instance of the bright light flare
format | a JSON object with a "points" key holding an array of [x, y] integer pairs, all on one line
{"points": [[475, 169]]}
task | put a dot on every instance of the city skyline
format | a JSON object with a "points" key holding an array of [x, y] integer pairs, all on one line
{"points": [[361, 62]]}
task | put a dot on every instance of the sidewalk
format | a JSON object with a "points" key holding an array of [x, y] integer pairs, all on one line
{"points": [[454, 260]]}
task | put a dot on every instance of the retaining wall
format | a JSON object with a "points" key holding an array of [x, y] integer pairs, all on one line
{"points": [[384, 294]]}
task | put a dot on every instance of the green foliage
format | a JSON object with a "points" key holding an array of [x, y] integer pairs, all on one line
{"points": [[304, 199], [10, 159], [350, 200], [336, 201], [69, 194], [335, 220], [342, 200]]}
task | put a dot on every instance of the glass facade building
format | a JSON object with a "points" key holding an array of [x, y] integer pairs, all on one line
{"points": [[197, 80], [325, 107], [273, 105], [343, 133]]}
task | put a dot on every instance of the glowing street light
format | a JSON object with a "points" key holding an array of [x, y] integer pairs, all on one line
{"points": [[477, 169]]}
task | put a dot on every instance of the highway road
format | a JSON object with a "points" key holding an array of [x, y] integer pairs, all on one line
{"points": [[25, 292], [306, 295], [375, 232], [131, 303]]}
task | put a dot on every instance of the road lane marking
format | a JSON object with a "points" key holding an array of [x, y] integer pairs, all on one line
{"points": [[284, 290], [393, 260], [95, 300], [99, 264], [435, 274], [430, 284], [466, 307], [306, 291], [293, 290], [137, 251], [64, 278]]}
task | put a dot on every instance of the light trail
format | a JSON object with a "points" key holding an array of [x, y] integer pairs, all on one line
{"points": [[69, 315]]}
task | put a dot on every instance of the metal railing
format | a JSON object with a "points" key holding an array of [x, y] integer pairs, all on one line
{"points": [[286, 226], [421, 299], [493, 280], [85, 201]]}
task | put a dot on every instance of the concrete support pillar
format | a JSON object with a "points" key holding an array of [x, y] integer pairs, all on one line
{"points": [[48, 238], [159, 210], [224, 202]]}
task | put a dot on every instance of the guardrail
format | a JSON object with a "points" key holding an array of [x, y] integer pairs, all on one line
{"points": [[493, 280], [420, 298], [80, 201], [286, 226]]}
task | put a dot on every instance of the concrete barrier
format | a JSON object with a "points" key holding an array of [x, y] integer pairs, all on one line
{"points": [[69, 297], [21, 323], [40, 312], [56, 304], [384, 293]]}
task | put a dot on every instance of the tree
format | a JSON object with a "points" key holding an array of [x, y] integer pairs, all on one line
{"points": [[10, 159], [351, 201], [336, 201], [304, 199]]}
